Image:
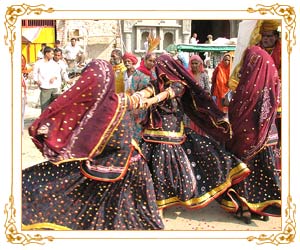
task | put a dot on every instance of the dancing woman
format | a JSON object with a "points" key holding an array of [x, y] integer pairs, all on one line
{"points": [[187, 169], [95, 177], [252, 113]]}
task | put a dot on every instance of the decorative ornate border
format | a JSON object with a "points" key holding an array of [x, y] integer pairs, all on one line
{"points": [[289, 17], [11, 17]]}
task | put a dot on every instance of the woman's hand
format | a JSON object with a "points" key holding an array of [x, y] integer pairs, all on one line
{"points": [[148, 102], [43, 130]]}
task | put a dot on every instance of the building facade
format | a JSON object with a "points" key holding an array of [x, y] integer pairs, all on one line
{"points": [[99, 37]]}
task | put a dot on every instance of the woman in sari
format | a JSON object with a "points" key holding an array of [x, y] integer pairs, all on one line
{"points": [[187, 169], [252, 113], [200, 75], [219, 81], [197, 70], [95, 177]]}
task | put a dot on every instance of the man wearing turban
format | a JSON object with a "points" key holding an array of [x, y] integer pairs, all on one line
{"points": [[119, 68], [270, 41], [129, 60]]}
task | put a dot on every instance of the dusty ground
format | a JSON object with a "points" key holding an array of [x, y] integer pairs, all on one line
{"points": [[210, 218]]}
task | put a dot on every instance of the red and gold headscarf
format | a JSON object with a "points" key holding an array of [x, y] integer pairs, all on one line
{"points": [[197, 104], [253, 107], [82, 118]]}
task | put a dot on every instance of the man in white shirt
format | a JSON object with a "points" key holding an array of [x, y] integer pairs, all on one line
{"points": [[46, 74], [194, 39], [73, 54], [129, 60], [146, 44], [66, 82]]}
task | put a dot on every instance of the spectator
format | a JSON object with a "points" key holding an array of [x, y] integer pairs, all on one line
{"points": [[66, 82], [46, 74], [196, 69], [41, 51], [74, 54], [209, 39], [57, 44], [200, 75], [208, 54], [119, 69], [130, 60], [194, 39], [146, 44], [219, 81]]}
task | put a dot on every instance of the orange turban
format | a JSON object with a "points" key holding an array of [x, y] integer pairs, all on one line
{"points": [[131, 57], [269, 25]]}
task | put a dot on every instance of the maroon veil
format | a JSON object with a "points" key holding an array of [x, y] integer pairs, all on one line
{"points": [[197, 104], [252, 109], [82, 119]]}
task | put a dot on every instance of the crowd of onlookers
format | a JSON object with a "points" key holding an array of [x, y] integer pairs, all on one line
{"points": [[56, 69]]}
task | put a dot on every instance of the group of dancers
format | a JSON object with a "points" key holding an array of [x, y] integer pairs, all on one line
{"points": [[115, 161]]}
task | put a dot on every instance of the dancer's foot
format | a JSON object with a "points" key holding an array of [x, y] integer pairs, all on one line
{"points": [[244, 214], [259, 217]]}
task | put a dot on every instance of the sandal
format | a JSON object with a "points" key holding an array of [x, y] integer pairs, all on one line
{"points": [[244, 214], [260, 217]]}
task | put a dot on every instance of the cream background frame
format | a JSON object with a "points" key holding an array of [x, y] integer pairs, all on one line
{"points": [[10, 135]]}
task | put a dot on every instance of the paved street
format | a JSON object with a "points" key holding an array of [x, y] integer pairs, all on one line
{"points": [[210, 218]]}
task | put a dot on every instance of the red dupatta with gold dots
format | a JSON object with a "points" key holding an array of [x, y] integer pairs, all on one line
{"points": [[253, 107], [197, 104], [82, 119]]}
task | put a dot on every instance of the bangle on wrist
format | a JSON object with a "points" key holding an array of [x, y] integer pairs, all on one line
{"points": [[139, 94], [170, 92], [158, 98], [134, 101], [148, 91]]}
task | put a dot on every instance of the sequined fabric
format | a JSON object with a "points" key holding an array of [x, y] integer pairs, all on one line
{"points": [[252, 113], [61, 198], [261, 190], [187, 169], [117, 193]]}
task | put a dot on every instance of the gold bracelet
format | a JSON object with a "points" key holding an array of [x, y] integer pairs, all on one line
{"points": [[171, 93], [130, 101], [149, 90], [139, 94], [141, 103], [135, 101]]}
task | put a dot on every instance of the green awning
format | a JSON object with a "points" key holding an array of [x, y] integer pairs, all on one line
{"points": [[205, 47]]}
